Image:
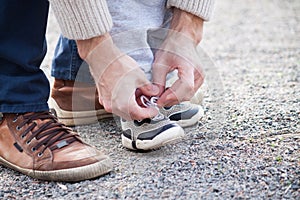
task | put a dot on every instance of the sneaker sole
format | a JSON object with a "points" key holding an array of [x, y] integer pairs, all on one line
{"points": [[157, 142], [72, 118], [68, 175], [192, 121]]}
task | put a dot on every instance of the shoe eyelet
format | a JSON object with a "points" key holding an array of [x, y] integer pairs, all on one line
{"points": [[15, 120], [33, 149], [40, 154], [22, 136], [18, 128], [28, 142]]}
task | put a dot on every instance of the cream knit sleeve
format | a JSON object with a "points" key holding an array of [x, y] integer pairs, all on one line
{"points": [[82, 19], [201, 8]]}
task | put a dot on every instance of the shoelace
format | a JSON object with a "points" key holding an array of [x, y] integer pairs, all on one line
{"points": [[152, 103], [48, 134]]}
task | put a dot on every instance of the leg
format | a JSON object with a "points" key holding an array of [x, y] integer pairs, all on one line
{"points": [[138, 33], [131, 28], [32, 141], [24, 87], [76, 103], [66, 62], [74, 99]]}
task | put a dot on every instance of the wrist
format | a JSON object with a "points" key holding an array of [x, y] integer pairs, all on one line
{"points": [[86, 46], [188, 24]]}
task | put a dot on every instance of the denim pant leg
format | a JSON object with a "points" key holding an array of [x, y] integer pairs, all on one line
{"points": [[67, 64], [23, 85]]}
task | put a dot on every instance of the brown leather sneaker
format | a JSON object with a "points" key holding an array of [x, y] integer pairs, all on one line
{"points": [[37, 145], [76, 103]]}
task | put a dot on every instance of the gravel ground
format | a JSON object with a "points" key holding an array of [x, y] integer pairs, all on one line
{"points": [[248, 144]]}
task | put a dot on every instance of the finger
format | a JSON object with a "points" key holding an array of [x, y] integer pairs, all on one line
{"points": [[159, 74], [100, 100], [130, 110], [161, 88], [139, 113], [168, 98], [183, 87], [148, 90], [138, 94], [107, 106], [198, 79], [181, 90]]}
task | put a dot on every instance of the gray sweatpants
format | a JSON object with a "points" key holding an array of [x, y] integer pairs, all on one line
{"points": [[134, 22]]}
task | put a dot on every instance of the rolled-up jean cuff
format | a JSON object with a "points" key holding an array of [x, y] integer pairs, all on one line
{"points": [[24, 108]]}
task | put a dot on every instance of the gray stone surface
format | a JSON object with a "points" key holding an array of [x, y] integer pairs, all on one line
{"points": [[248, 144]]}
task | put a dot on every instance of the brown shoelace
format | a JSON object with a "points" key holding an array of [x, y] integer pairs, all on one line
{"points": [[51, 133]]}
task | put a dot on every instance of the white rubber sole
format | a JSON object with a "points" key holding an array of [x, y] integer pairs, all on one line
{"points": [[170, 136], [192, 121], [72, 118], [69, 175]]}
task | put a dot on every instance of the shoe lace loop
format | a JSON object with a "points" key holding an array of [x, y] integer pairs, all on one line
{"points": [[51, 134], [152, 103], [149, 102]]}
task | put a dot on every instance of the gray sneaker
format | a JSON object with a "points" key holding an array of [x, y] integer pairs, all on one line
{"points": [[152, 133], [185, 114]]}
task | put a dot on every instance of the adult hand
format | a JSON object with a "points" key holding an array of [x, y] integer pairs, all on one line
{"points": [[117, 78], [179, 52]]}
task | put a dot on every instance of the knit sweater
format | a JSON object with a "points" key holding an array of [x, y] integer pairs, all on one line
{"points": [[83, 19]]}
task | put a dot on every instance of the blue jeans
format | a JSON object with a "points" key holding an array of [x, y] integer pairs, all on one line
{"points": [[23, 85], [67, 64]]}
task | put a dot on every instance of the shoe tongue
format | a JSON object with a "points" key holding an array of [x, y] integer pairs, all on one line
{"points": [[153, 120], [158, 117]]}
